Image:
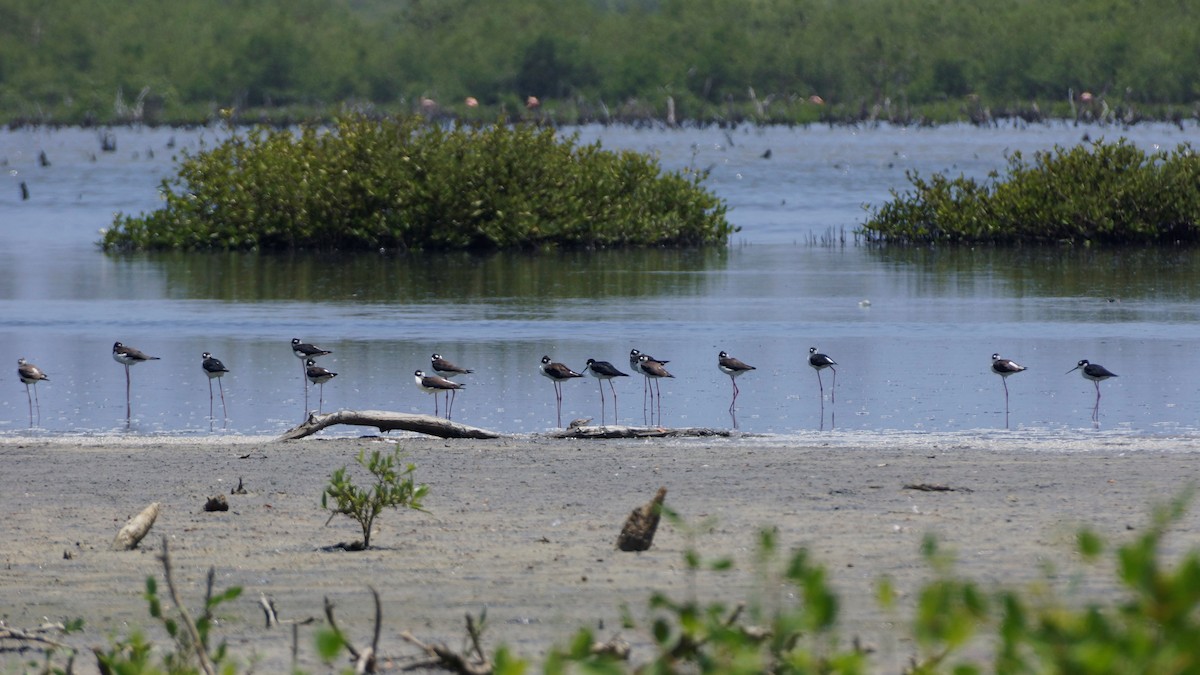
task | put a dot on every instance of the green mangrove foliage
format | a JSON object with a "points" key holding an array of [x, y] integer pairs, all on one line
{"points": [[154, 62], [401, 183], [1102, 193]]}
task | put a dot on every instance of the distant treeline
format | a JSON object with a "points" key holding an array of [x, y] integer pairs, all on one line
{"points": [[64, 61]]}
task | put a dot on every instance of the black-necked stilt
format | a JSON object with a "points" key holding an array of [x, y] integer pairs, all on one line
{"points": [[448, 370], [128, 356], [445, 368], [603, 370], [732, 367], [558, 373], [1096, 373], [213, 368], [820, 362], [635, 362], [319, 376], [306, 351], [31, 374], [1004, 368], [654, 371], [435, 384]]}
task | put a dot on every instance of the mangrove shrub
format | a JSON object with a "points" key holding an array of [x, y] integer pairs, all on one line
{"points": [[405, 184], [1104, 193]]}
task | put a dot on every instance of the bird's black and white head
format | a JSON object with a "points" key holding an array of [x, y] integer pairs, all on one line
{"points": [[546, 360], [731, 366], [1083, 363], [818, 360], [1092, 371], [212, 366]]}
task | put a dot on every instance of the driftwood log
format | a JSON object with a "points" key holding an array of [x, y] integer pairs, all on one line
{"points": [[640, 526], [137, 527], [617, 431], [387, 421]]}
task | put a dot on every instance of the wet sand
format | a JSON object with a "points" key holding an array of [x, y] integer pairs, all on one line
{"points": [[526, 529]]}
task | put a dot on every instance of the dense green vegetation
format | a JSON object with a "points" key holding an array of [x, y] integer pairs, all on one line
{"points": [[139, 60], [399, 183], [1105, 193]]}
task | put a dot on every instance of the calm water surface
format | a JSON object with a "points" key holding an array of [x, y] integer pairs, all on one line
{"points": [[912, 330]]}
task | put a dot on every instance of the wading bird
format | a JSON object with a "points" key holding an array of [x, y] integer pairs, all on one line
{"points": [[603, 370], [435, 384], [306, 352], [1096, 373], [635, 362], [654, 371], [214, 369], [128, 356], [558, 373], [447, 370], [31, 374], [1004, 368], [318, 376], [820, 362], [733, 368]]}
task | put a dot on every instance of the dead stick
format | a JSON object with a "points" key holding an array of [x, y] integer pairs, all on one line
{"points": [[333, 624], [201, 653]]}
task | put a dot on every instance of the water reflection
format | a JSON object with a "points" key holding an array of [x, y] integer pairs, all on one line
{"points": [[1152, 273], [448, 278]]}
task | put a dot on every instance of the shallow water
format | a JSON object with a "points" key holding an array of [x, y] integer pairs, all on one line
{"points": [[913, 357]]}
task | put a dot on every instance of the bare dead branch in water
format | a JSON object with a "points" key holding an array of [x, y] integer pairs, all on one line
{"points": [[386, 421], [614, 431]]}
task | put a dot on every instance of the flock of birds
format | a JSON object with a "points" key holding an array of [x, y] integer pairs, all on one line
{"points": [[651, 368], [1094, 372]]}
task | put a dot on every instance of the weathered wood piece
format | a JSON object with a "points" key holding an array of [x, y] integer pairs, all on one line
{"points": [[617, 431], [640, 526], [386, 421], [137, 527]]}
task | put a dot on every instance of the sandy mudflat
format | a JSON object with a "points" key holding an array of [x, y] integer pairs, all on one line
{"points": [[526, 528]]}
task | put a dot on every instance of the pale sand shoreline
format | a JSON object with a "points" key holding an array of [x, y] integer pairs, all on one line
{"points": [[526, 528]]}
